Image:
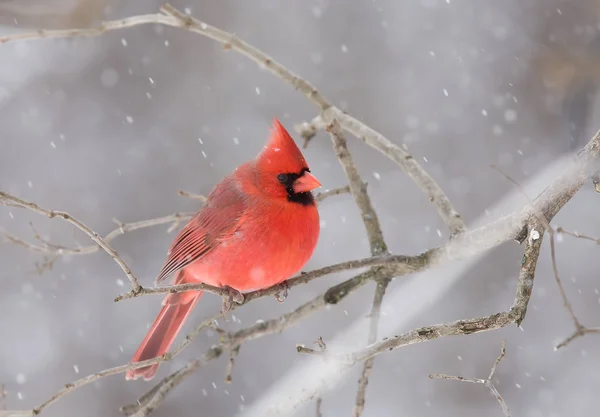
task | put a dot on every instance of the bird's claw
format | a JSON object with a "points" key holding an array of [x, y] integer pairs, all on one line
{"points": [[282, 293], [232, 296]]}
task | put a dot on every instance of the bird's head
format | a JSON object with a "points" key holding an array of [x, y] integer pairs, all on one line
{"points": [[282, 170]]}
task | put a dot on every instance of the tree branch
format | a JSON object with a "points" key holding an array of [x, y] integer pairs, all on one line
{"points": [[580, 330], [515, 314], [489, 382], [359, 402], [7, 198], [358, 190], [401, 157]]}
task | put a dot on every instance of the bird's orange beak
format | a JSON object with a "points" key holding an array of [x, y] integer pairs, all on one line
{"points": [[307, 182]]}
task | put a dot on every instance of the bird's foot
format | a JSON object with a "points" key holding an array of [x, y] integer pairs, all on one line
{"points": [[282, 293], [231, 296]]}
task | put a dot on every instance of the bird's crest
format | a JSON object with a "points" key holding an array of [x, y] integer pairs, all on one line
{"points": [[281, 153]]}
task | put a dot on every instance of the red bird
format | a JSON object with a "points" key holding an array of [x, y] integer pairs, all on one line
{"points": [[258, 227]]}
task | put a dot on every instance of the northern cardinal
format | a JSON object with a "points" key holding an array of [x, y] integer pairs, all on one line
{"points": [[258, 227]]}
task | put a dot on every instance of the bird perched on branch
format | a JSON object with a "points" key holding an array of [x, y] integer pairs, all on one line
{"points": [[258, 227]]}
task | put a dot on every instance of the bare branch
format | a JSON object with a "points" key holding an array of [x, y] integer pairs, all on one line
{"points": [[193, 196], [333, 192], [395, 153], [580, 330], [68, 388], [234, 352], [91, 32], [578, 235], [376, 242], [358, 191], [515, 314], [489, 382], [402, 264], [4, 197], [359, 403]]}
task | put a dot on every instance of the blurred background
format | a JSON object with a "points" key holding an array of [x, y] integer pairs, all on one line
{"points": [[113, 126]]}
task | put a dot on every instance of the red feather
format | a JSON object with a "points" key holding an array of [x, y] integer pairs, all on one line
{"points": [[218, 218]]}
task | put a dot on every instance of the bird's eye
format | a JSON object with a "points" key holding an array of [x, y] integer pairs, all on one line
{"points": [[282, 178]]}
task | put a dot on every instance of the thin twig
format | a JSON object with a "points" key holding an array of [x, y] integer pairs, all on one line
{"points": [[5, 197], [333, 192], [233, 354], [193, 196], [580, 330], [359, 403], [578, 235], [489, 382], [122, 228]]}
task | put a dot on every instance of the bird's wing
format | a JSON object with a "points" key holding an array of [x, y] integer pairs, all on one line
{"points": [[218, 218]]}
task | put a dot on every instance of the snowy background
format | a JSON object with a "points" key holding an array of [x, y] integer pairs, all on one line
{"points": [[110, 126]]}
